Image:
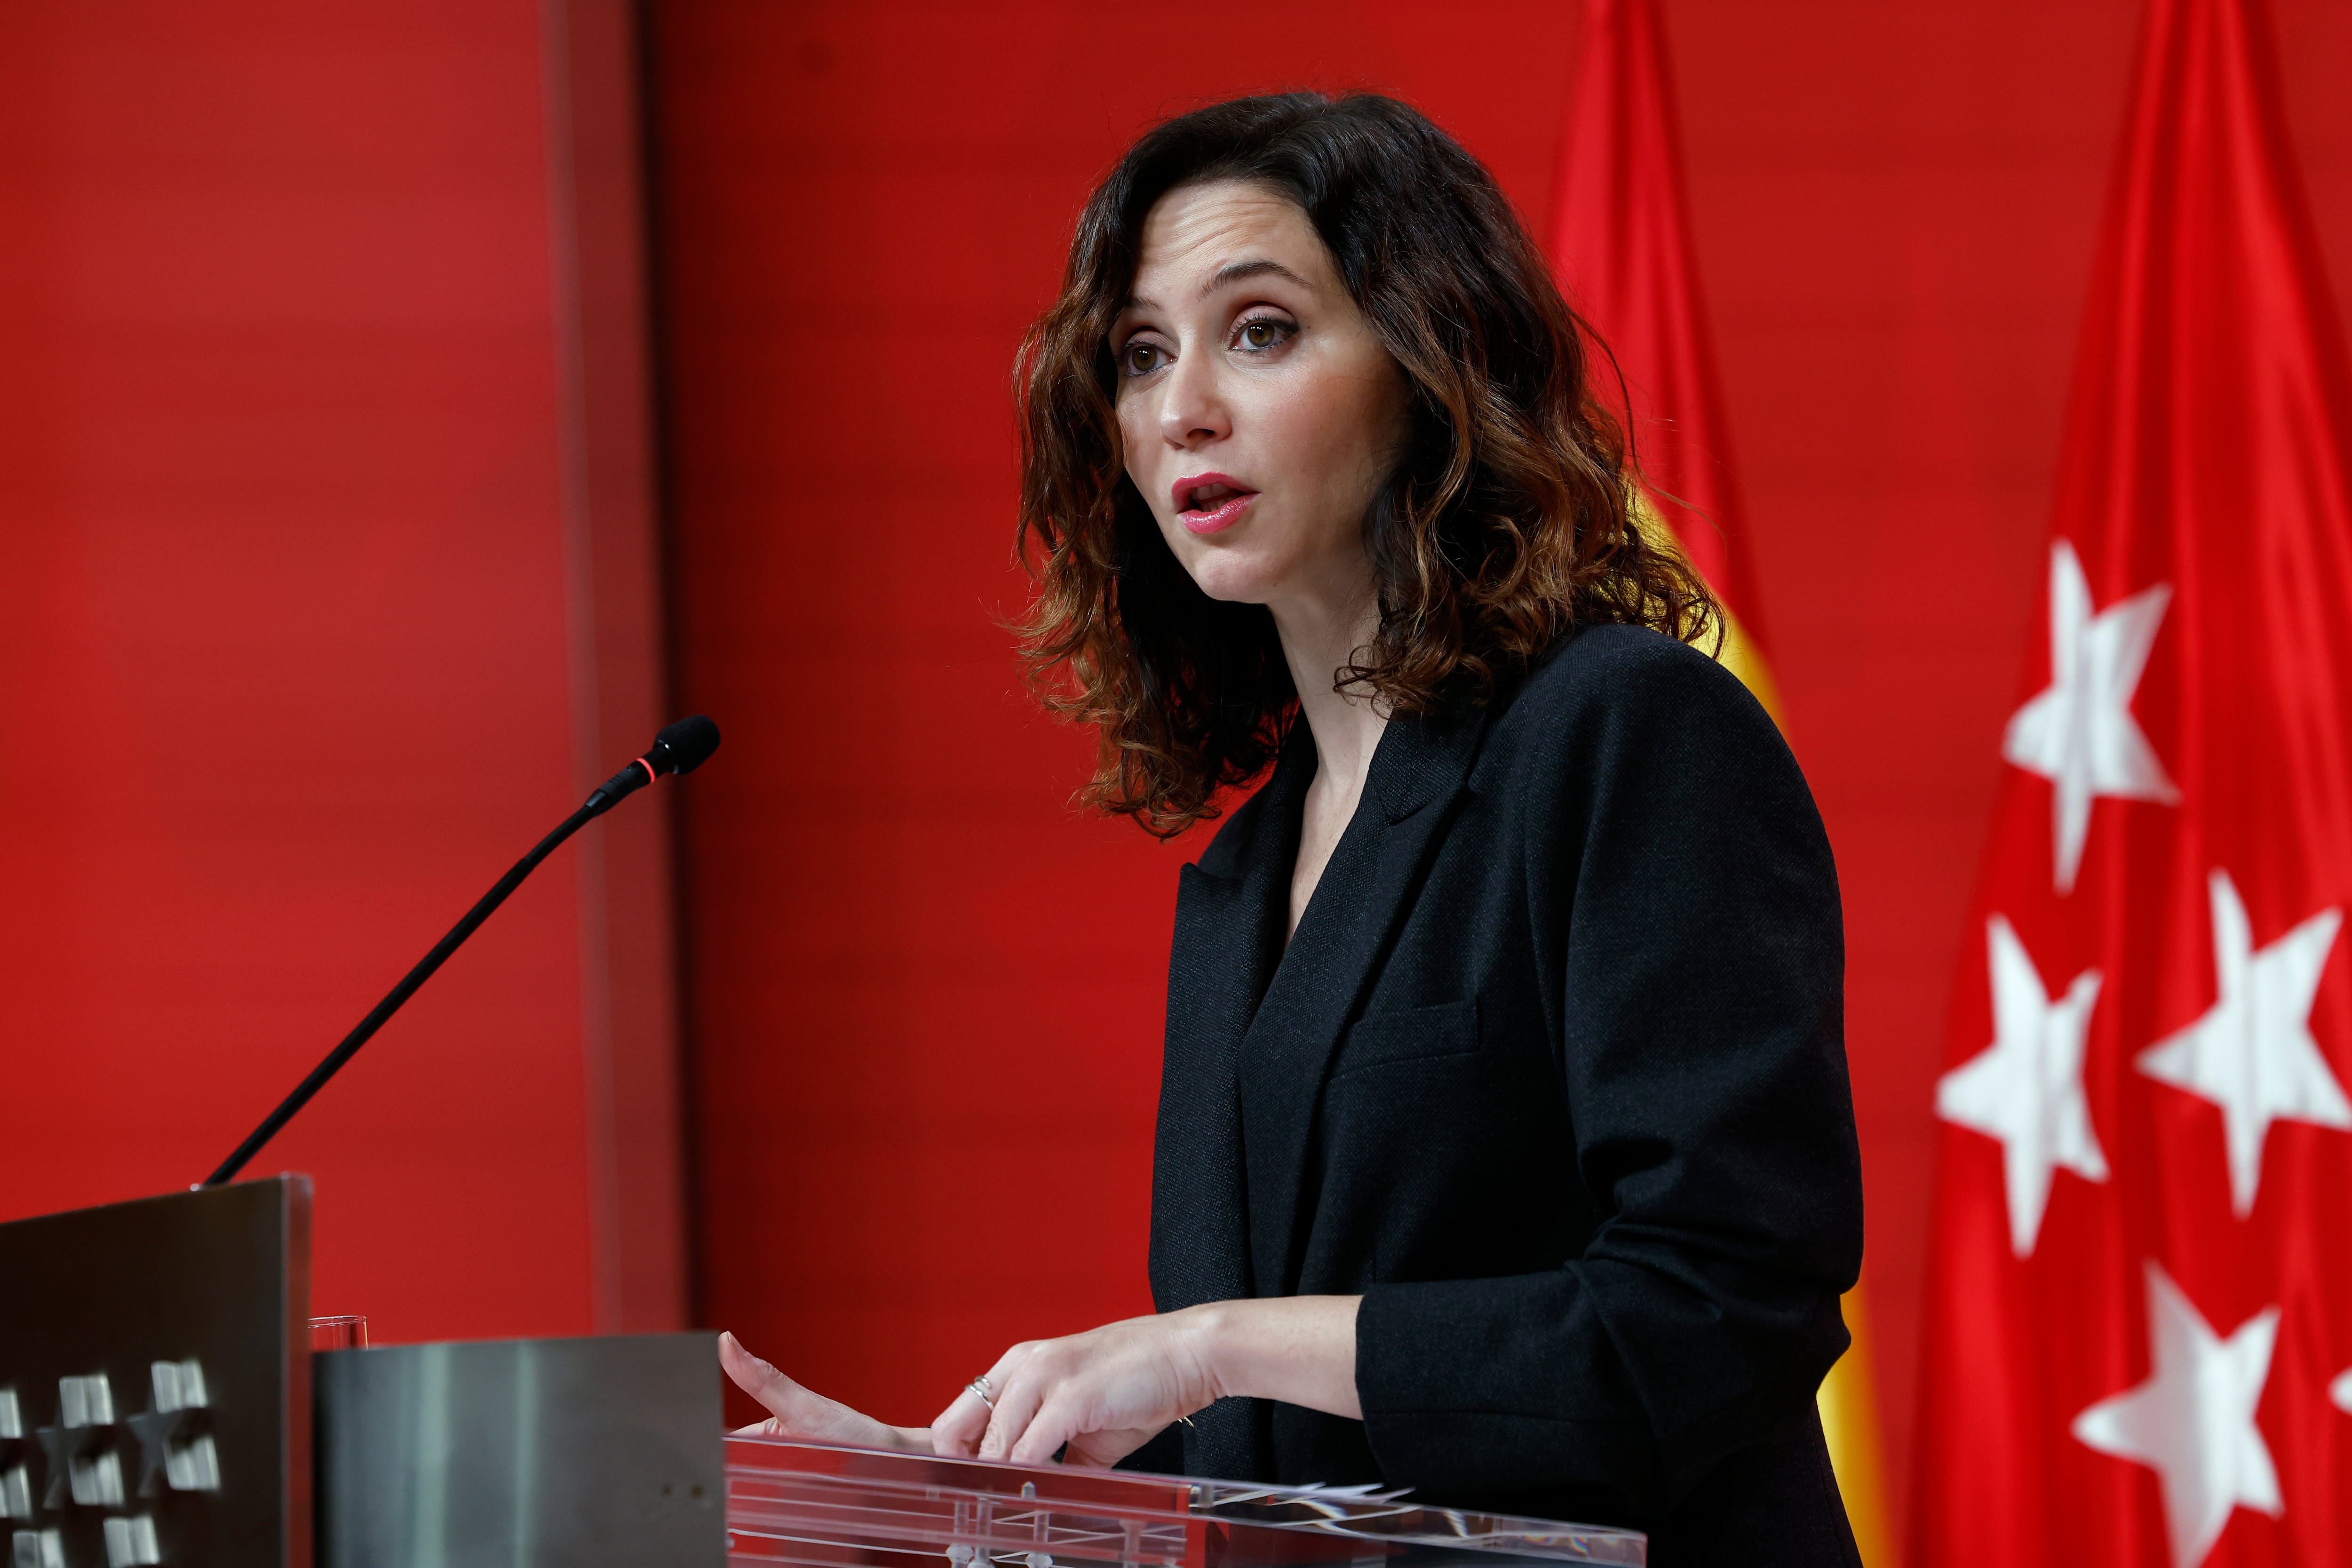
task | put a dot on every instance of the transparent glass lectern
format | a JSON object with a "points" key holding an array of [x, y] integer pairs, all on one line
{"points": [[848, 1507], [163, 1400]]}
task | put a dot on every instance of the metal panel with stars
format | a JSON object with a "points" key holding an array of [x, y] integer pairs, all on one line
{"points": [[154, 1370]]}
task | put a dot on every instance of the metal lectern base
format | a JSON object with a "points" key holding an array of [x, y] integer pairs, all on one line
{"points": [[551, 1453]]}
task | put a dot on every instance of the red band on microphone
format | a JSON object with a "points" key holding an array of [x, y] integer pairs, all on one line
{"points": [[651, 776]]}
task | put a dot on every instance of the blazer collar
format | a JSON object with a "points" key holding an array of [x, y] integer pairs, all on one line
{"points": [[1418, 775]]}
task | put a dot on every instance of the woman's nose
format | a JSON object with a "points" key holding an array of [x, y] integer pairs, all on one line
{"points": [[1196, 410]]}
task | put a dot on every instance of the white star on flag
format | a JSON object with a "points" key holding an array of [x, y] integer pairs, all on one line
{"points": [[2079, 733], [2251, 1054], [2026, 1087], [2192, 1422], [2339, 1391]]}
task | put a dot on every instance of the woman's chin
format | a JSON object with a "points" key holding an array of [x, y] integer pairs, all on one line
{"points": [[1233, 579]]}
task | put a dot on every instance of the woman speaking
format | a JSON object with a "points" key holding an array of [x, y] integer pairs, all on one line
{"points": [[1504, 1148]]}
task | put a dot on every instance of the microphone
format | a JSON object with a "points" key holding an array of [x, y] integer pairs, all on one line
{"points": [[679, 749]]}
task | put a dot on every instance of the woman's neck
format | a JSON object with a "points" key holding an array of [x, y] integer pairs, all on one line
{"points": [[1319, 639]]}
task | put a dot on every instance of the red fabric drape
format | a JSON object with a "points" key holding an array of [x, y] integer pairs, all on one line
{"points": [[2141, 1303], [1620, 239]]}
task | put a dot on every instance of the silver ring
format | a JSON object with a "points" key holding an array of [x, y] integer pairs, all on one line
{"points": [[981, 1386]]}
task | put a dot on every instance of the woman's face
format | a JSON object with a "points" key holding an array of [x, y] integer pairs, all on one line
{"points": [[1259, 414]]}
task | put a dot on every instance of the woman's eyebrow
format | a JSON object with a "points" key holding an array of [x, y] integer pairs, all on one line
{"points": [[1234, 271], [1231, 273]]}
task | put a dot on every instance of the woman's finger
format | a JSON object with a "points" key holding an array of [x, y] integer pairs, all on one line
{"points": [[798, 1413], [1101, 1451], [1016, 1407], [964, 1422], [958, 1430], [755, 1377], [1042, 1435]]}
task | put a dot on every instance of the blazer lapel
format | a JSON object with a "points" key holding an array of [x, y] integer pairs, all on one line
{"points": [[1230, 910], [1416, 782]]}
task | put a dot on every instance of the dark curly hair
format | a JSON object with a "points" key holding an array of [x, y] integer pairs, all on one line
{"points": [[1508, 521]]}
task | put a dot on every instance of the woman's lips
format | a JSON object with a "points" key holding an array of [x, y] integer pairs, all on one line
{"points": [[1209, 503], [1223, 516]]}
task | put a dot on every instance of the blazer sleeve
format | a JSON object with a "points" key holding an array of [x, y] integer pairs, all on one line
{"points": [[1685, 904]]}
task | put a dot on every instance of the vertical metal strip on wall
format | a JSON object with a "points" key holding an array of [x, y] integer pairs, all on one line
{"points": [[612, 581]]}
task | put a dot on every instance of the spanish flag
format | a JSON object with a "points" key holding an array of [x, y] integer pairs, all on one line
{"points": [[1620, 243]]}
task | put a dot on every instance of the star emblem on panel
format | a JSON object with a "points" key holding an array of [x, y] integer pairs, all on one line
{"points": [[86, 1457]]}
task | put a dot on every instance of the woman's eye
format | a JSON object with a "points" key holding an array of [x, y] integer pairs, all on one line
{"points": [[1264, 332], [1139, 358]]}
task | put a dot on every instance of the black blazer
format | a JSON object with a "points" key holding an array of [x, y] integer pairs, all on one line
{"points": [[1553, 1074]]}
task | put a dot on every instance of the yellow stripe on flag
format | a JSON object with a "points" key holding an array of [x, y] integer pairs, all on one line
{"points": [[1849, 1405], [1739, 655]]}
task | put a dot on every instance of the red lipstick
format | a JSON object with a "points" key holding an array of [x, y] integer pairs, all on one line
{"points": [[1211, 504]]}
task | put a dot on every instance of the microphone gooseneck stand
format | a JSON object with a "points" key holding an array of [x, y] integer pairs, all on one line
{"points": [[680, 749]]}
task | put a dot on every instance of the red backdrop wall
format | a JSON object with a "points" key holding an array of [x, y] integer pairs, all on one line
{"points": [[295, 608], [326, 581], [926, 995]]}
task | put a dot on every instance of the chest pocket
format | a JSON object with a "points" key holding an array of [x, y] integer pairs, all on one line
{"points": [[1413, 1035]]}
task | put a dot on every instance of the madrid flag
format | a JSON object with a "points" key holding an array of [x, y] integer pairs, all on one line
{"points": [[2140, 1314]]}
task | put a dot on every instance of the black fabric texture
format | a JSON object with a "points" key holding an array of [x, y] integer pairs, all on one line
{"points": [[1552, 1074], [1163, 1456]]}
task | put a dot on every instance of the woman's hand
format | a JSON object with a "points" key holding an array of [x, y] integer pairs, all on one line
{"points": [[1107, 1392], [794, 1412]]}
